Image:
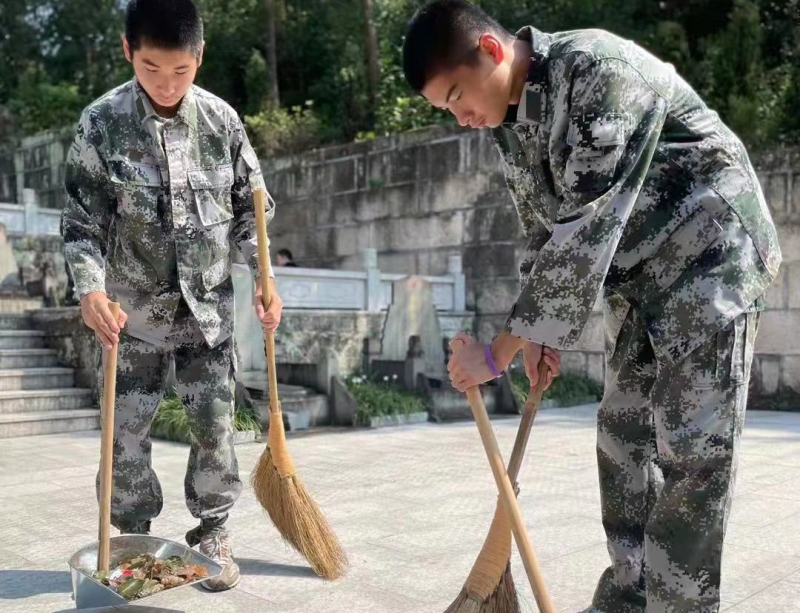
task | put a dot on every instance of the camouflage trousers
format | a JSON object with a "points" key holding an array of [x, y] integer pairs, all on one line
{"points": [[667, 443], [205, 386]]}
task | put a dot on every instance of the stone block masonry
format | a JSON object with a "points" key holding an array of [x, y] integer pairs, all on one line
{"points": [[422, 196]]}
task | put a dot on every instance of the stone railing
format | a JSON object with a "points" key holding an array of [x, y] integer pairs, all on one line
{"points": [[356, 290], [29, 219], [336, 310]]}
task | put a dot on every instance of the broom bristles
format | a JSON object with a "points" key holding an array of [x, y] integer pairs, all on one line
{"points": [[298, 518], [503, 600]]}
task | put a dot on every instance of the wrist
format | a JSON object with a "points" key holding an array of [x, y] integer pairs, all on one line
{"points": [[504, 347], [92, 295]]}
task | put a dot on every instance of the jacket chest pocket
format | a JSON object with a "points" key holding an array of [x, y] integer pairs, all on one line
{"points": [[597, 142], [138, 188], [212, 194], [529, 179]]}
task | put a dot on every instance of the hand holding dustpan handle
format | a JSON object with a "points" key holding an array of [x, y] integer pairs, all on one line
{"points": [[260, 206], [507, 495], [107, 450]]}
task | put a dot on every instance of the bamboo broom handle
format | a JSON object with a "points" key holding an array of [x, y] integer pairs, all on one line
{"points": [[507, 496], [532, 405], [260, 204], [107, 450]]}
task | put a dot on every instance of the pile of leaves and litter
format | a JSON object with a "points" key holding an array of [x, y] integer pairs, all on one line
{"points": [[146, 575]]}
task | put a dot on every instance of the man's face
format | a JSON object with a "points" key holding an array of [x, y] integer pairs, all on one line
{"points": [[165, 74], [282, 259], [477, 94]]}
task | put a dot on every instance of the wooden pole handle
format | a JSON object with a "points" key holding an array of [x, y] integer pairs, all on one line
{"points": [[526, 423], [260, 206], [107, 449], [507, 496]]}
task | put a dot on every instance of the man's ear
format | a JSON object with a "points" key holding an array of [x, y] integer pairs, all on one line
{"points": [[200, 55], [491, 46], [126, 48]]}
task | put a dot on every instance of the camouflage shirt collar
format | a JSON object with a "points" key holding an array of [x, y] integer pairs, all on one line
{"points": [[144, 109], [187, 112], [532, 106]]}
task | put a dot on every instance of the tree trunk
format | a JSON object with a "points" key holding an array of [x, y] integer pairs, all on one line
{"points": [[272, 58], [373, 67]]}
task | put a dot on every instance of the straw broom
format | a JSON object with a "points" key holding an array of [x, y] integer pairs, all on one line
{"points": [[508, 506], [490, 588], [274, 479]]}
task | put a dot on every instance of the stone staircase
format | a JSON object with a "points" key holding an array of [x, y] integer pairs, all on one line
{"points": [[36, 395], [302, 407]]}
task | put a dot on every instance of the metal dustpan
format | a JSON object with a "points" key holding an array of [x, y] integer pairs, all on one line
{"points": [[88, 592], [109, 552]]}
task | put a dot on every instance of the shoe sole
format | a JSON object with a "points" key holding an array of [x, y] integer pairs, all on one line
{"points": [[230, 587]]}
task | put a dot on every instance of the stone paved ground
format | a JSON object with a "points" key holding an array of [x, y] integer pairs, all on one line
{"points": [[411, 505]]}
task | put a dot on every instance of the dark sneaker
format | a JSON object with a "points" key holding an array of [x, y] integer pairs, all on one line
{"points": [[216, 545], [143, 528]]}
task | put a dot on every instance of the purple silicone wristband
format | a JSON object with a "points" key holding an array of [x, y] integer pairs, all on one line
{"points": [[487, 351]]}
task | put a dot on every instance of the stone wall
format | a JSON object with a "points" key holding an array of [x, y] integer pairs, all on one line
{"points": [[417, 198], [39, 255], [36, 162], [422, 196], [776, 369]]}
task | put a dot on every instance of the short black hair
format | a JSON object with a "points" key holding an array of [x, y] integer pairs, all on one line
{"points": [[444, 35], [166, 24], [286, 253]]}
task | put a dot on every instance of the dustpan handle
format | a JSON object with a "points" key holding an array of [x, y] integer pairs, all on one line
{"points": [[107, 449]]}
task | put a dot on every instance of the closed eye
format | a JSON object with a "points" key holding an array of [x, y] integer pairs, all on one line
{"points": [[451, 100]]}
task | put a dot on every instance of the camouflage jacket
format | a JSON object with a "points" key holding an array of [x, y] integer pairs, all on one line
{"points": [[628, 186], [151, 218]]}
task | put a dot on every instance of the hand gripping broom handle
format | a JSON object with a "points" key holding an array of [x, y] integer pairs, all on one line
{"points": [[260, 204], [107, 450], [507, 496]]}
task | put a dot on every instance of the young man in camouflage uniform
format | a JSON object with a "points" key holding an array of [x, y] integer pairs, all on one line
{"points": [[629, 189], [159, 182]]}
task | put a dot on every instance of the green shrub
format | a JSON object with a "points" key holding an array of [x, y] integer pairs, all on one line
{"points": [[378, 398], [246, 420], [567, 390], [172, 423], [277, 131]]}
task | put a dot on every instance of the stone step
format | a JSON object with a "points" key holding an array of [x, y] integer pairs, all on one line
{"points": [[15, 321], [36, 378], [21, 339], [256, 384], [49, 422], [299, 413], [43, 401], [28, 358], [18, 304]]}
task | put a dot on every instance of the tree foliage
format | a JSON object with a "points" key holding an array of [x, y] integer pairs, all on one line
{"points": [[741, 56]]}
